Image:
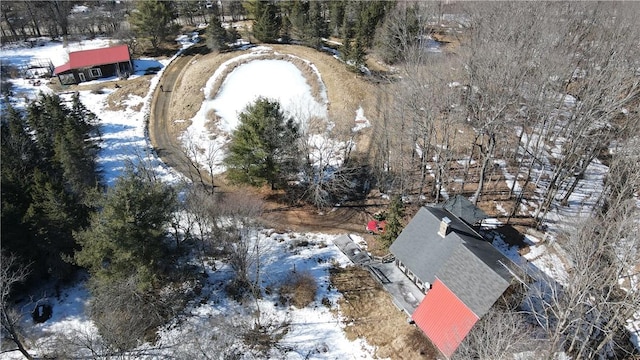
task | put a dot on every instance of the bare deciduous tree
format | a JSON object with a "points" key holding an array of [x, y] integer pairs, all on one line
{"points": [[498, 335], [194, 157], [124, 315], [237, 217], [586, 314], [328, 174], [499, 62], [11, 274]]}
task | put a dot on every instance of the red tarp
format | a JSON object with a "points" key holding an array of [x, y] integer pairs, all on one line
{"points": [[372, 226]]}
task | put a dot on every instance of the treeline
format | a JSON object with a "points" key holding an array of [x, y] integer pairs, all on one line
{"points": [[354, 23], [26, 19], [49, 182], [59, 218]]}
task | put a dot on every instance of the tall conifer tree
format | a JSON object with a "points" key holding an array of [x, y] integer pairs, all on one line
{"points": [[264, 147]]}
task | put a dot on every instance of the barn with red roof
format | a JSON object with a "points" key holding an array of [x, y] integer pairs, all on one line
{"points": [[87, 65]]}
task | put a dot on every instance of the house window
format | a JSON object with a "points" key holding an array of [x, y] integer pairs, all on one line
{"points": [[81, 76], [67, 79], [95, 72], [401, 265]]}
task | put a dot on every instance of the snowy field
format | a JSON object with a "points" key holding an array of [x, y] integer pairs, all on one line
{"points": [[315, 332]]}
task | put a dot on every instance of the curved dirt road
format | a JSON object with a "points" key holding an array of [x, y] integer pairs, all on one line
{"points": [[165, 144]]}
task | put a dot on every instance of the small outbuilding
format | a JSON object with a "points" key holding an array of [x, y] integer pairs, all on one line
{"points": [[93, 64], [462, 274]]}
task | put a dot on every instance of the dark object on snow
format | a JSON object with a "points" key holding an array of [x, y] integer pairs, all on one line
{"points": [[42, 313]]}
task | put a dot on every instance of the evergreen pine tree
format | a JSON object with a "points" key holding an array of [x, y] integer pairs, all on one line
{"points": [[266, 26], [336, 16], [216, 35], [317, 26], [76, 150], [19, 159], [49, 174], [394, 222], [153, 20], [128, 237], [264, 146], [299, 17], [52, 216], [345, 49], [370, 14]]}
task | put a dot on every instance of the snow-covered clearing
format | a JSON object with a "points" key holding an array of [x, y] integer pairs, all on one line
{"points": [[255, 77], [314, 332]]}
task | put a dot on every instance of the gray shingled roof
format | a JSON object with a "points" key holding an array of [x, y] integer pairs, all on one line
{"points": [[464, 209], [477, 286], [467, 264]]}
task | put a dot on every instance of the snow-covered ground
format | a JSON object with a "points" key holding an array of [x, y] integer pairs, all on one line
{"points": [[315, 332], [280, 80]]}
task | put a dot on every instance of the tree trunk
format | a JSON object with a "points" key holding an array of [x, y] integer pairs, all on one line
{"points": [[487, 156], [33, 18], [11, 28]]}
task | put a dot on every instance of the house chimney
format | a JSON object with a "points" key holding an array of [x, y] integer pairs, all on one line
{"points": [[444, 226]]}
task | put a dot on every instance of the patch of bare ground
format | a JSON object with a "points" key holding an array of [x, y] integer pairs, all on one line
{"points": [[124, 89], [116, 101], [187, 92], [369, 313]]}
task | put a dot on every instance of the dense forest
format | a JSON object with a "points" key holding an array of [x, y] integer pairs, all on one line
{"points": [[537, 91]]}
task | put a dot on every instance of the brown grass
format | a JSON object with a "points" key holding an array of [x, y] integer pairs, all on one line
{"points": [[298, 290], [115, 101], [137, 87], [369, 313], [346, 91]]}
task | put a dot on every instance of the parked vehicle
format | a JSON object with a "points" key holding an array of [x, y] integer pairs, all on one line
{"points": [[376, 227]]}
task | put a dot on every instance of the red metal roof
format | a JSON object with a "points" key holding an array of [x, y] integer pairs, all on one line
{"points": [[95, 57], [444, 318]]}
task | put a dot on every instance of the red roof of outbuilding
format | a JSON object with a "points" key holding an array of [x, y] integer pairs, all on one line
{"points": [[95, 57], [444, 318]]}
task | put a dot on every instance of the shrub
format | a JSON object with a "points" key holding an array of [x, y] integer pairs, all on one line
{"points": [[298, 290]]}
